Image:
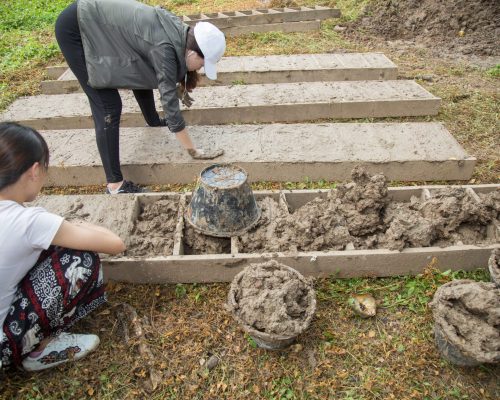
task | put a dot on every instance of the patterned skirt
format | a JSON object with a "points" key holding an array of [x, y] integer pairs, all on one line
{"points": [[64, 286]]}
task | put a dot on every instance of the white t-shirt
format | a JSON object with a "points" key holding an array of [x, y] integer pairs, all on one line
{"points": [[24, 233]]}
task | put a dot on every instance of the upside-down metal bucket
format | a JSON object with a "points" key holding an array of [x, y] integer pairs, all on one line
{"points": [[223, 203]]}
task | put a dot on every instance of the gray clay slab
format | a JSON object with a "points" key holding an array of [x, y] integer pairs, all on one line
{"points": [[284, 102], [276, 152], [276, 69], [116, 213]]}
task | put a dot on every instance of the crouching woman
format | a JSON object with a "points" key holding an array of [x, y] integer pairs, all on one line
{"points": [[50, 272]]}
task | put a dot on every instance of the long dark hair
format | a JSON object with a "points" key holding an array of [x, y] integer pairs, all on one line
{"points": [[192, 76], [20, 148]]}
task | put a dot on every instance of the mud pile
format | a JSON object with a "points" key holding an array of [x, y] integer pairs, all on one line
{"points": [[491, 202], [450, 216], [494, 266], [467, 322], [269, 235], [317, 225], [359, 215], [198, 243], [153, 234], [272, 298], [468, 27], [349, 215], [354, 209]]}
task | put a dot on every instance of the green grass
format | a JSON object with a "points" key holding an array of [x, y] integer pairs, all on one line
{"points": [[494, 72], [26, 31], [27, 44], [29, 15]]}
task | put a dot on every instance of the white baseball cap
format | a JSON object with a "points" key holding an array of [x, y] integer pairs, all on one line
{"points": [[212, 44]]}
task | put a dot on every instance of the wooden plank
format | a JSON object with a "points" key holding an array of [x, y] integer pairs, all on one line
{"points": [[230, 19]]}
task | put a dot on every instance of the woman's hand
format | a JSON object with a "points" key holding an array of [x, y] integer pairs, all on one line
{"points": [[184, 96], [84, 236], [200, 154]]}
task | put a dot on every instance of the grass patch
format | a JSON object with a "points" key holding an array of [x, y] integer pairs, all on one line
{"points": [[29, 15], [494, 72], [27, 45]]}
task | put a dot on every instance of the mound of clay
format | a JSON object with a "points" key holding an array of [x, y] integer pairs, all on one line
{"points": [[272, 298], [469, 27], [358, 215], [362, 201], [354, 209], [406, 228], [269, 234], [198, 243], [153, 234], [467, 321], [449, 208], [494, 266], [491, 202], [449, 217], [319, 225]]}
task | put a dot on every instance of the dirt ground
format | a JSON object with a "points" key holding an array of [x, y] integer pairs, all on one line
{"points": [[462, 26]]}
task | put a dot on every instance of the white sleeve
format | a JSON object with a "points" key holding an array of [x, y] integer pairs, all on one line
{"points": [[42, 227]]}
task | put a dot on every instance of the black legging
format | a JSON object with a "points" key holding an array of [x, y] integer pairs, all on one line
{"points": [[106, 104]]}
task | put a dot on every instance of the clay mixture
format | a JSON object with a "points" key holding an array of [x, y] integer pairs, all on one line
{"points": [[494, 266], [153, 234], [467, 317], [359, 215], [468, 27], [198, 243], [272, 298]]}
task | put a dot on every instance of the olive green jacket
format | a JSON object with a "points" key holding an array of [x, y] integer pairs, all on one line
{"points": [[130, 45]]}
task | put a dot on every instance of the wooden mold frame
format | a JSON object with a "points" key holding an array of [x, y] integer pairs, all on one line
{"points": [[229, 19], [180, 268]]}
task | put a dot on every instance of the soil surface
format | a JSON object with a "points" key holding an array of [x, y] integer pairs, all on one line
{"points": [[467, 27], [359, 215], [274, 299], [467, 313], [153, 234]]}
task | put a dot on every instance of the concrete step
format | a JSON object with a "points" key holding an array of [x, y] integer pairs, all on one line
{"points": [[228, 19], [276, 152], [284, 102], [275, 69], [121, 215]]}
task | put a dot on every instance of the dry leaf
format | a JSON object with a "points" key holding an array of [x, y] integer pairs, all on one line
{"points": [[363, 304]]}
